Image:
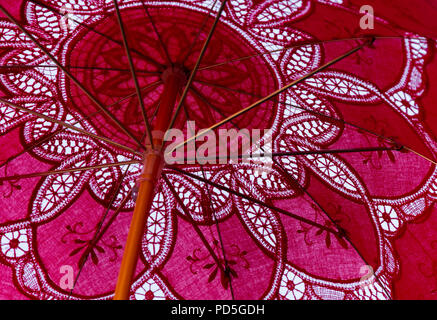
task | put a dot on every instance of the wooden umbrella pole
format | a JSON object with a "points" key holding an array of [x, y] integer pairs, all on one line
{"points": [[173, 79]]}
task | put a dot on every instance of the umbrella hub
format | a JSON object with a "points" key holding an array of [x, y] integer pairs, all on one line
{"points": [[177, 71]]}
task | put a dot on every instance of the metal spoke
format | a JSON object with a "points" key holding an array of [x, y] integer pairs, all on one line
{"points": [[14, 68], [251, 199], [52, 135], [100, 232], [272, 95], [155, 29], [134, 75], [71, 77], [62, 171], [302, 44], [334, 222], [193, 43], [196, 66], [105, 228], [227, 273], [193, 223], [120, 43], [420, 155], [288, 153], [69, 126], [327, 118]]}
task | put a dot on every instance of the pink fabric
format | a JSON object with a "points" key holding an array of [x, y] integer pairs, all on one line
{"points": [[384, 200]]}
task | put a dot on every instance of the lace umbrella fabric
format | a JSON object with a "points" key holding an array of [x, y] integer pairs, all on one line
{"points": [[316, 225]]}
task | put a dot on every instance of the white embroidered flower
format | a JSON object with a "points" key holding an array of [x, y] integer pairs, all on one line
{"points": [[15, 244], [149, 291], [388, 218], [406, 103], [292, 287]]}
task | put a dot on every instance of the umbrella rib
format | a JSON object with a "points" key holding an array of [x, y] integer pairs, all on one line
{"points": [[100, 232], [262, 203], [205, 100], [395, 146], [147, 58], [210, 84], [155, 112], [32, 146], [193, 224], [209, 115], [44, 139], [199, 32], [333, 119], [29, 66], [290, 153], [71, 77], [62, 171], [227, 273], [420, 155], [196, 66], [150, 85], [279, 154], [69, 126], [302, 44], [274, 94], [344, 234], [215, 221], [211, 106], [155, 29], [134, 75]]}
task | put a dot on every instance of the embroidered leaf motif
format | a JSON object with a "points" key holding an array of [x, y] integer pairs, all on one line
{"points": [[59, 190], [277, 11], [342, 87]]}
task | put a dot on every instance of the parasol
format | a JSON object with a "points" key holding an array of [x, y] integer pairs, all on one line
{"points": [[119, 181]]}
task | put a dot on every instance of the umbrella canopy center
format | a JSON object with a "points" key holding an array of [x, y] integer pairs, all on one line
{"points": [[162, 43]]}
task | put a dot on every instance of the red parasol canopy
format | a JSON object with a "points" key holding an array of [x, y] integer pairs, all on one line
{"points": [[334, 198]]}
